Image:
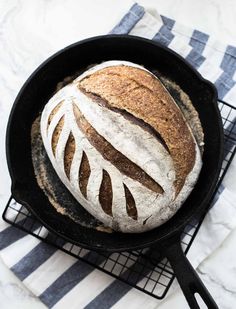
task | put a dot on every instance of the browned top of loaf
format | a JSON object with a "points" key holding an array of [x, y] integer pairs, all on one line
{"points": [[141, 94]]}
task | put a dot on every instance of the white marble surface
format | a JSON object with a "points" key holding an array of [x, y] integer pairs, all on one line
{"points": [[30, 31]]}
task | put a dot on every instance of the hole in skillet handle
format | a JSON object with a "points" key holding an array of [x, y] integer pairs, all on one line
{"points": [[186, 275], [200, 301]]}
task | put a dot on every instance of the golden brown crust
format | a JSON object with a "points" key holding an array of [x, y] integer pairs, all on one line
{"points": [[54, 111], [122, 163], [130, 204], [84, 173], [56, 134], [142, 95], [105, 193], [69, 154], [128, 116]]}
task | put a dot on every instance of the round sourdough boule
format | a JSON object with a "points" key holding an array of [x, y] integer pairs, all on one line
{"points": [[122, 146]]}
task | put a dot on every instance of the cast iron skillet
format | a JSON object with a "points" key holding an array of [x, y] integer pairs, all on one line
{"points": [[34, 95]]}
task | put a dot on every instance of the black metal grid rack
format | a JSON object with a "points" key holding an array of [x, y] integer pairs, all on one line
{"points": [[145, 269]]}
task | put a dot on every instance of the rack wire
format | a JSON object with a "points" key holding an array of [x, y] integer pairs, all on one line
{"points": [[145, 269]]}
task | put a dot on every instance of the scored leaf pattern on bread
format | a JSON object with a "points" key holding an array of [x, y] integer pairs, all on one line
{"points": [[112, 162], [112, 155]]}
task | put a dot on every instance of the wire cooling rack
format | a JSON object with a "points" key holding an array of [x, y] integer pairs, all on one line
{"points": [[145, 269]]}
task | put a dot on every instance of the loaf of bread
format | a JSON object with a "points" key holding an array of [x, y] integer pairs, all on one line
{"points": [[121, 145]]}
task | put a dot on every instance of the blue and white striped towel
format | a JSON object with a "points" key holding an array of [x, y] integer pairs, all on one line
{"points": [[60, 280]]}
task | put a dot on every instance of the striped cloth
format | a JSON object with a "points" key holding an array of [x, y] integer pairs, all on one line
{"points": [[214, 60], [60, 280]]}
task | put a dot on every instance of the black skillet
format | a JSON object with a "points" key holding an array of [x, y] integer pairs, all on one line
{"points": [[34, 95]]}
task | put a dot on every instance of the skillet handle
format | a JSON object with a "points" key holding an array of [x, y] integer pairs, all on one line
{"points": [[187, 277]]}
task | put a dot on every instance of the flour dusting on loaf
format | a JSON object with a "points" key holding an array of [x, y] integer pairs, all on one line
{"points": [[121, 145]]}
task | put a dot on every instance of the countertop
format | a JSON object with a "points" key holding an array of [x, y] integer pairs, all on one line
{"points": [[30, 31]]}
